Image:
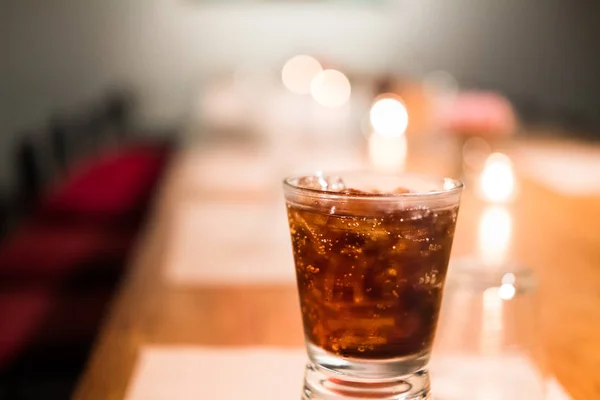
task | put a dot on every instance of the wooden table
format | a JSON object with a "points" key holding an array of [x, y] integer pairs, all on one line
{"points": [[557, 236]]}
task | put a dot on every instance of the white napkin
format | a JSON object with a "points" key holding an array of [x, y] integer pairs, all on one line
{"points": [[502, 377], [269, 373], [220, 243], [569, 170], [227, 168], [239, 169], [192, 373]]}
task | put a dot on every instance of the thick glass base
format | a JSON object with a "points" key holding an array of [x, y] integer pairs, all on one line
{"points": [[321, 384], [367, 369]]}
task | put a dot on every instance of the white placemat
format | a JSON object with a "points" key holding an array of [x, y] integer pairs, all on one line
{"points": [[502, 377], [569, 170], [191, 373], [238, 169], [220, 243], [227, 168], [268, 373]]}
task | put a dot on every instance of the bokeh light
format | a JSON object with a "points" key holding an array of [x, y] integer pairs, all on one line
{"points": [[389, 117], [495, 231], [508, 278], [497, 182], [492, 322], [298, 73], [507, 291], [330, 88], [387, 153]]}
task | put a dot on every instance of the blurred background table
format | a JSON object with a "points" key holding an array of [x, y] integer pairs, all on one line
{"points": [[554, 233]]}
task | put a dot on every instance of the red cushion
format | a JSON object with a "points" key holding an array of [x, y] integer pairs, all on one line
{"points": [[44, 251], [112, 185], [23, 312]]}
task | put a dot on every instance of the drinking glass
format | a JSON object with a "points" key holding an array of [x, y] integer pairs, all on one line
{"points": [[371, 252]]}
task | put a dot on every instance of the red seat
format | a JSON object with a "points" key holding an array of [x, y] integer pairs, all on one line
{"points": [[44, 252], [23, 312], [42, 320], [112, 186], [52, 269]]}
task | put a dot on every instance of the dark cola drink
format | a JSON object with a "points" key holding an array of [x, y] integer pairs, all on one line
{"points": [[370, 277]]}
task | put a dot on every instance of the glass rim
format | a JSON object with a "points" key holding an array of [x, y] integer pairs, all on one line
{"points": [[457, 187]]}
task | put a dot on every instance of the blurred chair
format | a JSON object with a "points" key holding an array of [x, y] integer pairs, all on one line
{"points": [[5, 214], [97, 127], [58, 133], [59, 268], [83, 136], [118, 105], [45, 337], [23, 310], [28, 171], [112, 188], [60, 255]]}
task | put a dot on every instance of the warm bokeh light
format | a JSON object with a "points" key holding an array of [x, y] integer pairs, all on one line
{"points": [[492, 324], [330, 88], [298, 72], [495, 231], [389, 117], [387, 153], [508, 278], [497, 182], [507, 291]]}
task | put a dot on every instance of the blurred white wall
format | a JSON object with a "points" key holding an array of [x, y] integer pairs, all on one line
{"points": [[64, 51], [5, 127], [61, 53]]}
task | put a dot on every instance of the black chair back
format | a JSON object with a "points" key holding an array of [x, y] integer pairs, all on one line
{"points": [[29, 175]]}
